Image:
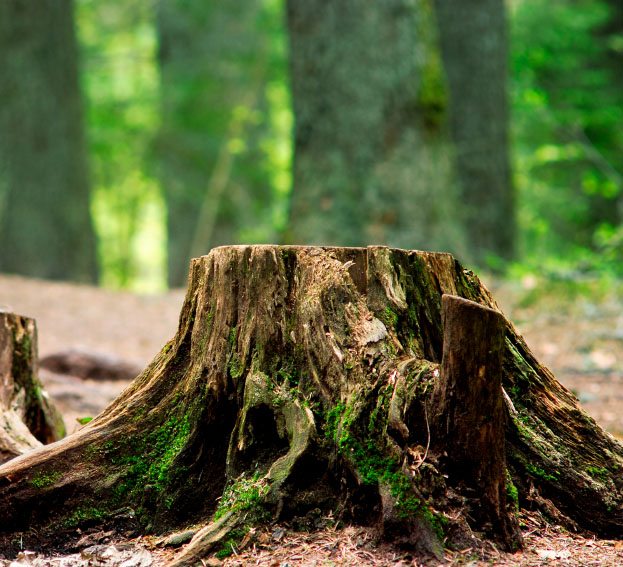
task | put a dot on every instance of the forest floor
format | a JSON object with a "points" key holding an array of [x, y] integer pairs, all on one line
{"points": [[574, 327]]}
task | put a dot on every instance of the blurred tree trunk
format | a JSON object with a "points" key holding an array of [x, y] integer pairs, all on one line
{"points": [[213, 69], [474, 42], [373, 162], [45, 223]]}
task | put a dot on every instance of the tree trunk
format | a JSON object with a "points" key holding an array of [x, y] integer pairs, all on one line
{"points": [[27, 417], [45, 222], [372, 157], [303, 378], [475, 50]]}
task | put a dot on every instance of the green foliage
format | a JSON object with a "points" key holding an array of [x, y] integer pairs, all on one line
{"points": [[123, 84], [567, 96], [120, 80]]}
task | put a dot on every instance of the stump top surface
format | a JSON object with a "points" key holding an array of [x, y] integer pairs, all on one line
{"points": [[326, 248], [461, 302]]}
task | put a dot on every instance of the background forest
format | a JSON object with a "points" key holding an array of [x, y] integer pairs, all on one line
{"points": [[136, 134]]}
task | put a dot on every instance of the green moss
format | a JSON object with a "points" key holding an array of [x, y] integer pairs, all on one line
{"points": [[231, 543], [600, 473], [235, 364], [210, 319], [515, 392], [245, 494], [84, 514], [332, 420], [538, 472], [43, 480], [375, 467], [372, 462], [389, 317], [151, 461], [233, 337], [378, 416], [512, 494], [236, 368], [287, 374], [338, 422]]}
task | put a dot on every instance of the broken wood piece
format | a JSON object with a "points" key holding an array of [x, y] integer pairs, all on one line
{"points": [[469, 410]]}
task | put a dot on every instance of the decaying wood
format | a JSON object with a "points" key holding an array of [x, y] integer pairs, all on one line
{"points": [[300, 379], [469, 412], [27, 417]]}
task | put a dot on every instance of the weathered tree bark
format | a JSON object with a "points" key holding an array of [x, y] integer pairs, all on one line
{"points": [[302, 378], [469, 413], [44, 177], [27, 417]]}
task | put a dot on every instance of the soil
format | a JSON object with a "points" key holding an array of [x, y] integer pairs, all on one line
{"points": [[577, 331]]}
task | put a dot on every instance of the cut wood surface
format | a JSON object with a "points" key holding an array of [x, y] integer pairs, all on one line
{"points": [[300, 378]]}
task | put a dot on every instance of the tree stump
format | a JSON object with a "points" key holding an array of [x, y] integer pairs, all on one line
{"points": [[27, 417], [306, 378]]}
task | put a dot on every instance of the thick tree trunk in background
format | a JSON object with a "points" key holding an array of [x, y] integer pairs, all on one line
{"points": [[302, 378], [474, 43], [45, 223], [27, 417], [214, 65], [372, 158]]}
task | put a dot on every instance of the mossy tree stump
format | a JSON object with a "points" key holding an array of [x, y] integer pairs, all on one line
{"points": [[305, 378], [27, 417]]}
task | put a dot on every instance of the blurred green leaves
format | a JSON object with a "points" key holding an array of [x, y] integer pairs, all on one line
{"points": [[120, 82], [567, 93]]}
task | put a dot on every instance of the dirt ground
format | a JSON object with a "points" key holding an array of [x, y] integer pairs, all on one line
{"points": [[578, 334]]}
